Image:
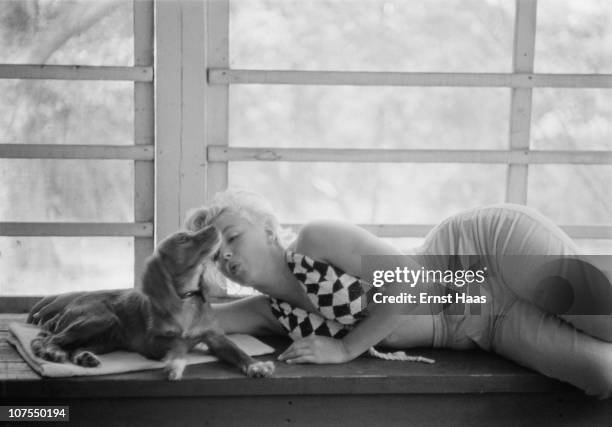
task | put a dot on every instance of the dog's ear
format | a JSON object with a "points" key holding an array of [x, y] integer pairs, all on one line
{"points": [[157, 282], [197, 218]]}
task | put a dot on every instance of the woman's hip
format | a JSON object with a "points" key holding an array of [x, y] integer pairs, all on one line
{"points": [[497, 230]]}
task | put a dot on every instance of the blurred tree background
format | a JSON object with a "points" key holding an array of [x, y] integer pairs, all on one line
{"points": [[573, 36]]}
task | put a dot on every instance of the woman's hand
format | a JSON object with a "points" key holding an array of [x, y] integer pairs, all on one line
{"points": [[315, 349]]}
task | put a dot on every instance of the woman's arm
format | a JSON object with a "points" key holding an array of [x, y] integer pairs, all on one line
{"points": [[250, 315], [343, 245]]}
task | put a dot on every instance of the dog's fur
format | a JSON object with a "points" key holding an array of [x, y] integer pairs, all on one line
{"points": [[165, 320]]}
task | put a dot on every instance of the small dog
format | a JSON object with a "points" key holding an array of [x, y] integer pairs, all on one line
{"points": [[168, 318]]}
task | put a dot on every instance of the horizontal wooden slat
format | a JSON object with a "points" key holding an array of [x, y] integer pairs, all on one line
{"points": [[218, 153], [145, 229], [385, 230], [23, 304], [5, 319], [111, 229], [368, 78], [75, 72], [588, 231], [62, 151], [421, 230]]}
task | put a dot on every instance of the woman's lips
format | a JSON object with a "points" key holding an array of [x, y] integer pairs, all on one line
{"points": [[234, 268]]}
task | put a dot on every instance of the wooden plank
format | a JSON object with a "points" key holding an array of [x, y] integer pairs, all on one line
{"points": [[573, 157], [346, 410], [143, 34], [189, 112], [7, 351], [220, 153], [144, 131], [66, 229], [217, 96], [569, 81], [75, 72], [588, 231], [65, 151], [169, 109], [521, 98], [224, 77], [472, 369], [6, 318], [194, 97], [146, 229], [19, 371], [454, 372], [23, 304], [383, 230], [421, 230], [8, 355], [16, 304]]}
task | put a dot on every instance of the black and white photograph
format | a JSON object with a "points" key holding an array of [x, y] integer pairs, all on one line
{"points": [[306, 212]]}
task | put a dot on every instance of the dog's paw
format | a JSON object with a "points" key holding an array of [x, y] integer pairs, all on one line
{"points": [[175, 369], [86, 359], [54, 354], [260, 369], [38, 347], [175, 375]]}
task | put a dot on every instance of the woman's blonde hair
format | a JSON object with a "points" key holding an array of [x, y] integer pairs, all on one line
{"points": [[247, 204]]}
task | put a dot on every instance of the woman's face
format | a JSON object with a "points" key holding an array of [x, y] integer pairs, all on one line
{"points": [[246, 249]]}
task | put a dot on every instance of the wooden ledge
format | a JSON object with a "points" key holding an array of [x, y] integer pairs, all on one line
{"points": [[462, 387], [470, 371], [467, 372]]}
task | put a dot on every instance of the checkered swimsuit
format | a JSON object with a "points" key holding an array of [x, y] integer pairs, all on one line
{"points": [[341, 299]]}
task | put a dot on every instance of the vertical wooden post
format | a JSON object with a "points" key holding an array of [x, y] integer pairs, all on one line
{"points": [[180, 80], [194, 93], [144, 128], [217, 96], [168, 111], [521, 100]]}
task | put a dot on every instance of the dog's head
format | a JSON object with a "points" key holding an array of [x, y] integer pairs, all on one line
{"points": [[175, 268]]}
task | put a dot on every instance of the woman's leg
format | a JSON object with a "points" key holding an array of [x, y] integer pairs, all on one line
{"points": [[547, 344], [539, 263]]}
